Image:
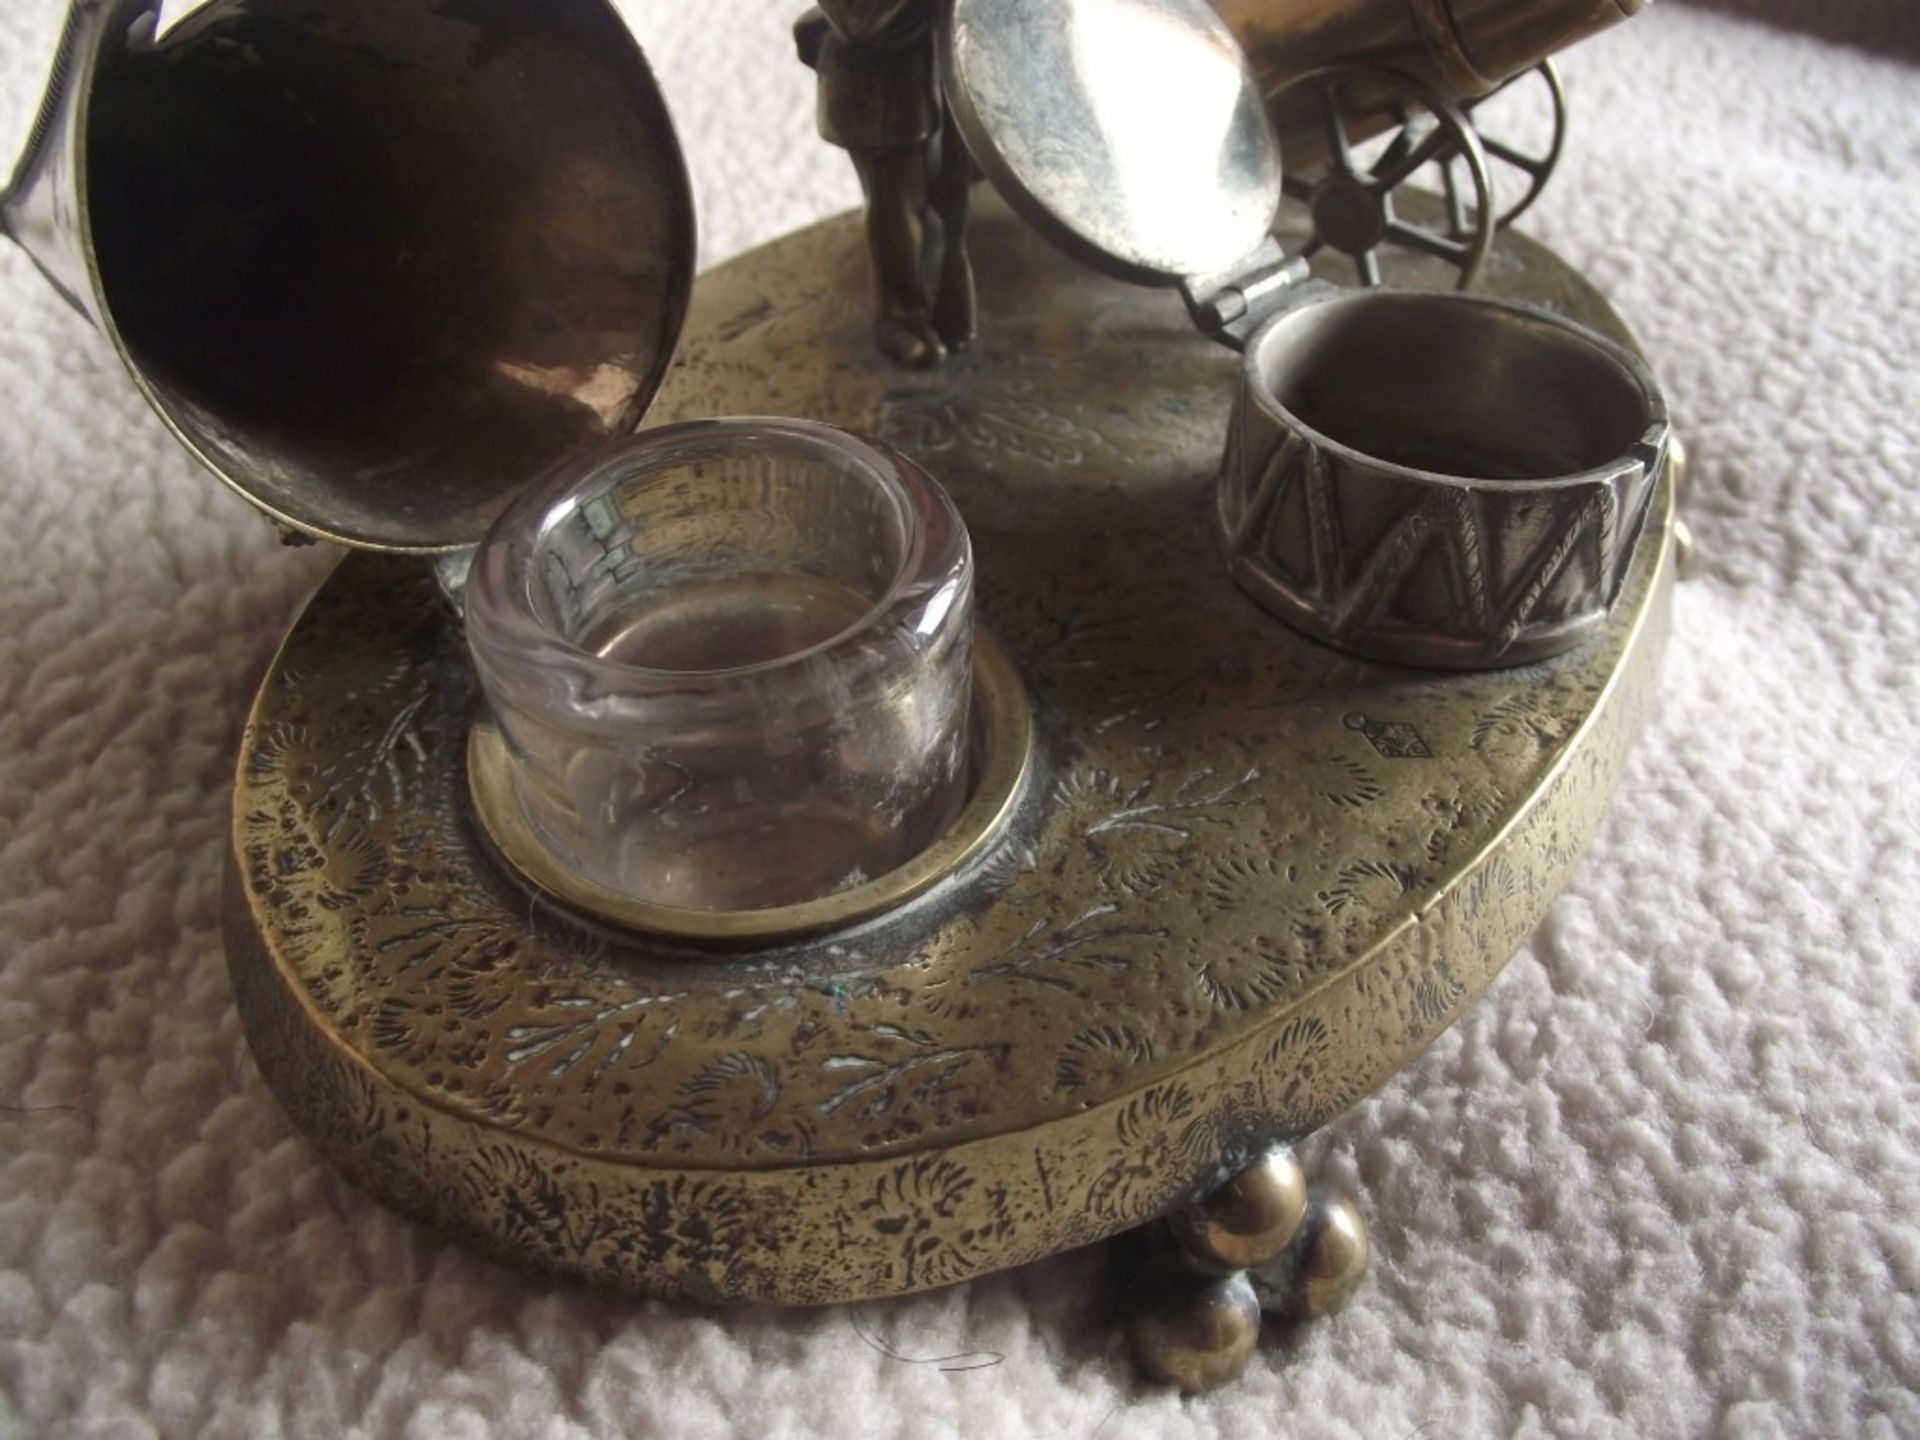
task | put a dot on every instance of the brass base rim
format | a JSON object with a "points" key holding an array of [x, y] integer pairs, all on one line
{"points": [[1003, 752]]}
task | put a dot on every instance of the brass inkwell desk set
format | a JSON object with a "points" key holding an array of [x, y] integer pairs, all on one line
{"points": [[742, 877]]}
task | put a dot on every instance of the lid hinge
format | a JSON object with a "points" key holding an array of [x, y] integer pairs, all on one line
{"points": [[1231, 304]]}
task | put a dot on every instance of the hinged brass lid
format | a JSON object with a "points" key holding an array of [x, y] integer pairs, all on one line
{"points": [[381, 263], [1129, 132]]}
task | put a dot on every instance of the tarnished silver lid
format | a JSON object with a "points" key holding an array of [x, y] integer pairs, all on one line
{"points": [[1129, 132], [377, 263]]}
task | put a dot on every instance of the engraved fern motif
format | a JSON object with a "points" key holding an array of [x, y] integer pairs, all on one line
{"points": [[901, 1212], [1098, 940], [1295, 1073], [1521, 716], [1246, 974], [1351, 882], [1101, 1053], [1246, 884], [1348, 784]]}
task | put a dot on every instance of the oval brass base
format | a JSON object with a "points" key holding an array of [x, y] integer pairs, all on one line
{"points": [[1250, 878]]}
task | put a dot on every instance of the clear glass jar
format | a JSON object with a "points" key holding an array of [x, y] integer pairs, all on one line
{"points": [[731, 662]]}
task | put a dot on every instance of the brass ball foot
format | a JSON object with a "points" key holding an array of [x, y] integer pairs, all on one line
{"points": [[1265, 1240], [1193, 1331], [1247, 1222], [1323, 1267]]}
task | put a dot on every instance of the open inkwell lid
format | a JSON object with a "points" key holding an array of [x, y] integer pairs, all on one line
{"points": [[381, 265], [1129, 132]]}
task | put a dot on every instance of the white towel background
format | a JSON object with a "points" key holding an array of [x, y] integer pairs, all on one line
{"points": [[1663, 1180]]}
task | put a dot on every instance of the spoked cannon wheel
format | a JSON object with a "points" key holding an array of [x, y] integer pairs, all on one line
{"points": [[1352, 202]]}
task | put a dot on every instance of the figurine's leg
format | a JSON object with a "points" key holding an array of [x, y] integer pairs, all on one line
{"points": [[1264, 1240], [952, 267], [895, 182]]}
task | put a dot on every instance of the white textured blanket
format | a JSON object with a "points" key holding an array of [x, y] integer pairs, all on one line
{"points": [[1664, 1180]]}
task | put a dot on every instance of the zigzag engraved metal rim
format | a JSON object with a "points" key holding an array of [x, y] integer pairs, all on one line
{"points": [[1435, 479]]}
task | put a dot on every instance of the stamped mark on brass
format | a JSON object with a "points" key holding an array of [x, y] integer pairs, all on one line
{"points": [[1394, 739]]}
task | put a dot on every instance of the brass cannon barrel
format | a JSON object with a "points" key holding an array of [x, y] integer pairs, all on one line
{"points": [[1453, 49]]}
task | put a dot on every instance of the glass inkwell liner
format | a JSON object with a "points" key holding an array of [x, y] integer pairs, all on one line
{"points": [[772, 790], [690, 642]]}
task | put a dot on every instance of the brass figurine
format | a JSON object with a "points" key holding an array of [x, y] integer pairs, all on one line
{"points": [[881, 102]]}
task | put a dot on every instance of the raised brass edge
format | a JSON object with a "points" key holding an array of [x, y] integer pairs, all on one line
{"points": [[783, 1235], [1004, 715]]}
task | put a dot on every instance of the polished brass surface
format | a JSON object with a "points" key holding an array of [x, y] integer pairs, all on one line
{"points": [[1251, 880], [1325, 1266], [1195, 1332], [1003, 759], [1249, 1220], [1126, 131], [377, 263]]}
